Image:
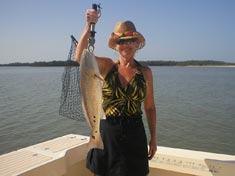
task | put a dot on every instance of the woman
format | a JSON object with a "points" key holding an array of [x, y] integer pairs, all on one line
{"points": [[127, 84]]}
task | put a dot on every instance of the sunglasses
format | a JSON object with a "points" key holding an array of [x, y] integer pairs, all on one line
{"points": [[126, 41]]}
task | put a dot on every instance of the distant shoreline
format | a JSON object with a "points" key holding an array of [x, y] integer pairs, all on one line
{"points": [[210, 66], [190, 63]]}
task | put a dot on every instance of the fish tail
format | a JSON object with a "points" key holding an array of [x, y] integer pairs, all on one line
{"points": [[95, 141]]}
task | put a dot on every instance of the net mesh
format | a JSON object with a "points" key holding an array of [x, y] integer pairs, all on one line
{"points": [[70, 100]]}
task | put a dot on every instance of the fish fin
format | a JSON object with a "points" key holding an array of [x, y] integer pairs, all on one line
{"points": [[102, 116], [96, 142], [99, 77]]}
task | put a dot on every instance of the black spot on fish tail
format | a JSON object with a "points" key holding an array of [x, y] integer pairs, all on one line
{"points": [[94, 117], [93, 137]]}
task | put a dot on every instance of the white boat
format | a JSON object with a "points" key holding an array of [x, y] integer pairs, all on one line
{"points": [[66, 156]]}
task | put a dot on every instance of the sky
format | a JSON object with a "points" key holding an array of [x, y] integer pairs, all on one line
{"points": [[176, 30]]}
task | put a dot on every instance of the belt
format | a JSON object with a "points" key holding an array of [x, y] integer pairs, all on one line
{"points": [[124, 121]]}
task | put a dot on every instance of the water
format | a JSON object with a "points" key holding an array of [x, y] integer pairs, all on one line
{"points": [[195, 107]]}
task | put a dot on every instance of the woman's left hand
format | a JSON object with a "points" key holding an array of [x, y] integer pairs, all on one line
{"points": [[152, 148]]}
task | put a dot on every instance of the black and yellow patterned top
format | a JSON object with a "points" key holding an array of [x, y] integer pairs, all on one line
{"points": [[123, 101]]}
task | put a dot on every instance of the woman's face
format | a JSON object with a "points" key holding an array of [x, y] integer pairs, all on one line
{"points": [[127, 47]]}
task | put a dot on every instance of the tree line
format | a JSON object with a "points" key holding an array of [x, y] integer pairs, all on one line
{"points": [[187, 63], [147, 63], [44, 64]]}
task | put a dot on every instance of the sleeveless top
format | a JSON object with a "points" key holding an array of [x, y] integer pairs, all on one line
{"points": [[125, 101]]}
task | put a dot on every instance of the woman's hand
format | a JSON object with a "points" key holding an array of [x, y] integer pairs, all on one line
{"points": [[152, 148], [92, 16]]}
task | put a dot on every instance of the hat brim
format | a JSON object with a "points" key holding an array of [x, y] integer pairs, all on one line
{"points": [[114, 37]]}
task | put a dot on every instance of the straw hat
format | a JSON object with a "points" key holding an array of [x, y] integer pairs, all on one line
{"points": [[125, 30]]}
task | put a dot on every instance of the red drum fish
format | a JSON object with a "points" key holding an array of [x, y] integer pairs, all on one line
{"points": [[91, 90]]}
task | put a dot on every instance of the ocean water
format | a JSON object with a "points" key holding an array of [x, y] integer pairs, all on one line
{"points": [[195, 108]]}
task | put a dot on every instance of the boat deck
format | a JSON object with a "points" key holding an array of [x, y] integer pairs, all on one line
{"points": [[66, 155]]}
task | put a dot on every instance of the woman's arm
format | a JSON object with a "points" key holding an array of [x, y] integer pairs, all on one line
{"points": [[91, 17], [150, 111], [104, 64]]}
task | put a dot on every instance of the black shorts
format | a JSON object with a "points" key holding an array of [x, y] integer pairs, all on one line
{"points": [[125, 148]]}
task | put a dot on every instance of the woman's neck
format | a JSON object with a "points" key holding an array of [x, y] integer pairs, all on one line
{"points": [[127, 62]]}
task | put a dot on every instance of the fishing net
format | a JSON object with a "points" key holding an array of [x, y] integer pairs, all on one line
{"points": [[70, 100]]}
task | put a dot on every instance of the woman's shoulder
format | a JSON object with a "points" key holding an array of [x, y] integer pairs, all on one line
{"points": [[144, 69], [147, 72], [104, 60], [105, 64]]}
